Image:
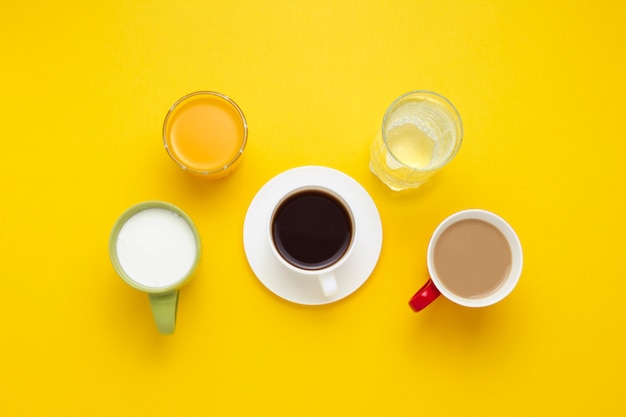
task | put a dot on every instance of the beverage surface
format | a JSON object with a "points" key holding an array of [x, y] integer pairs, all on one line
{"points": [[312, 229], [205, 133], [472, 258], [156, 248]]}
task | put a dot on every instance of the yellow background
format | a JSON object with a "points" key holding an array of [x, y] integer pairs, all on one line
{"points": [[85, 87]]}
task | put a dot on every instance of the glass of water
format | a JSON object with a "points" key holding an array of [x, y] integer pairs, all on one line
{"points": [[421, 132]]}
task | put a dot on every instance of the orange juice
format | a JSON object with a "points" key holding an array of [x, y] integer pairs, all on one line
{"points": [[205, 133]]}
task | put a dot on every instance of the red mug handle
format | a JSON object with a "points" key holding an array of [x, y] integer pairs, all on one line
{"points": [[424, 296]]}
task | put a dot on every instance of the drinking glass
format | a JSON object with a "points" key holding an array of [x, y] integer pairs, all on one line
{"points": [[421, 132]]}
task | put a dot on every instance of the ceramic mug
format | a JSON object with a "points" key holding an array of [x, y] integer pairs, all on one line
{"points": [[311, 232], [474, 259], [155, 247]]}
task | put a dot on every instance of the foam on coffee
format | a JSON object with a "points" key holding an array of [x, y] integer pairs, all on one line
{"points": [[472, 258], [156, 248]]}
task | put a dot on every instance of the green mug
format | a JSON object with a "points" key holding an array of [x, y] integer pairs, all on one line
{"points": [[155, 247]]}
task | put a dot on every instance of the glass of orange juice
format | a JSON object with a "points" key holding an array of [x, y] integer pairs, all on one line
{"points": [[205, 133]]}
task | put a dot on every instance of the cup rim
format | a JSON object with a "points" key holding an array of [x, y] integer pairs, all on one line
{"points": [[514, 244], [117, 227], [329, 268], [185, 99], [443, 100]]}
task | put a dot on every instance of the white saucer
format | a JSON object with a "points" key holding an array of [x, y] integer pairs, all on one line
{"points": [[290, 285]]}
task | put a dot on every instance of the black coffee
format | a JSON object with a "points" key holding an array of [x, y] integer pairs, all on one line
{"points": [[311, 229]]}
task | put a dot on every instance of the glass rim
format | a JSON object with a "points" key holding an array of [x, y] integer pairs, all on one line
{"points": [[185, 98], [454, 112]]}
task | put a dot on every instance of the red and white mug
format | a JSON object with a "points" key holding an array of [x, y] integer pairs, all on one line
{"points": [[459, 246]]}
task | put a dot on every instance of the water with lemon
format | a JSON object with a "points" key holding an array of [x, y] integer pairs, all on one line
{"points": [[416, 139], [411, 146]]}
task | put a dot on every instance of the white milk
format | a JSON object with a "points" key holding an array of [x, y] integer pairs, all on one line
{"points": [[156, 248]]}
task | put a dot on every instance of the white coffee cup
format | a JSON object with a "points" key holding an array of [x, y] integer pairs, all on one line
{"points": [[311, 232], [437, 285]]}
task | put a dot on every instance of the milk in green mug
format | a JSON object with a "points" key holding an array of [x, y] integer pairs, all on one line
{"points": [[155, 247]]}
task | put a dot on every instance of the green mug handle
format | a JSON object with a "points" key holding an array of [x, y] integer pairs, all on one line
{"points": [[164, 306]]}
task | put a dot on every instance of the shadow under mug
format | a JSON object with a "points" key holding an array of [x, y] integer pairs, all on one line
{"points": [[311, 232], [436, 286], [155, 248]]}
